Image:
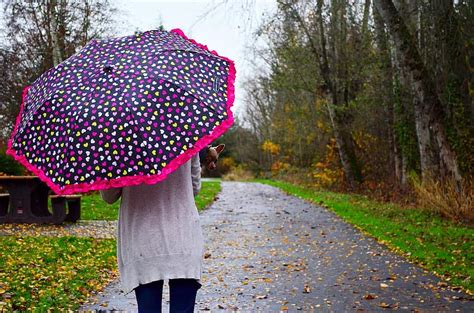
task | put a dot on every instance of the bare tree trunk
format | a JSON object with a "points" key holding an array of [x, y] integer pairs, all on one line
{"points": [[337, 83], [345, 146], [53, 25], [428, 108], [387, 72], [365, 19]]}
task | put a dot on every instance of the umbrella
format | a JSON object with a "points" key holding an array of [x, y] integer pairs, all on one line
{"points": [[123, 111]]}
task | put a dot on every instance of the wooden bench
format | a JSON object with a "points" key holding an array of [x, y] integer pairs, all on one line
{"points": [[73, 206], [26, 201], [4, 202]]}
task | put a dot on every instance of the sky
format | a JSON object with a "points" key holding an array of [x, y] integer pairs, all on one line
{"points": [[223, 25]]}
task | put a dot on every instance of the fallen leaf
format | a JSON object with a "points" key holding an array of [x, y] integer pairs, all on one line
{"points": [[384, 305], [370, 297], [306, 289]]}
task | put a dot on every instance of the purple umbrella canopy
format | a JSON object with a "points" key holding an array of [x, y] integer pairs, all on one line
{"points": [[123, 111]]}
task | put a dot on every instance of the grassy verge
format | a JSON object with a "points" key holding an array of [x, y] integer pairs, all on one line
{"points": [[206, 196], [94, 208], [38, 273], [443, 247]]}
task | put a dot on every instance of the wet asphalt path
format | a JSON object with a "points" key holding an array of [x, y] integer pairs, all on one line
{"points": [[267, 251]]}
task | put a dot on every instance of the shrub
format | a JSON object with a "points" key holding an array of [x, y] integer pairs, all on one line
{"points": [[445, 199], [279, 167], [226, 164], [240, 173], [8, 165]]}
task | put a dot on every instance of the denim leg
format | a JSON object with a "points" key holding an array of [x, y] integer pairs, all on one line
{"points": [[149, 297], [183, 294]]}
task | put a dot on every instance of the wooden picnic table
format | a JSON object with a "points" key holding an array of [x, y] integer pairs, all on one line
{"points": [[27, 202]]}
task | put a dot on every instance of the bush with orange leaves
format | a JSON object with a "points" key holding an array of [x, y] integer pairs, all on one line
{"points": [[271, 147], [226, 164], [278, 167], [328, 172]]}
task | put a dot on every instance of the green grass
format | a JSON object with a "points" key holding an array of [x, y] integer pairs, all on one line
{"points": [[38, 273], [442, 246], [209, 191], [94, 208]]}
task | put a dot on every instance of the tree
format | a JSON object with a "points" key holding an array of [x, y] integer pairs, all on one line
{"points": [[39, 35], [428, 108]]}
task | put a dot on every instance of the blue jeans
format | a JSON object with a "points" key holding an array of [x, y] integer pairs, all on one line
{"points": [[182, 295]]}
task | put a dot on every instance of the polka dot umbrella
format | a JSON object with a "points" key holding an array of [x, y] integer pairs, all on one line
{"points": [[123, 111]]}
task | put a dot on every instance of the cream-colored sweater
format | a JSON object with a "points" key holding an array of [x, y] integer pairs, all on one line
{"points": [[159, 231]]}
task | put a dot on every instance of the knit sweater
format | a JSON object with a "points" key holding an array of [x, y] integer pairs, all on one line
{"points": [[159, 232]]}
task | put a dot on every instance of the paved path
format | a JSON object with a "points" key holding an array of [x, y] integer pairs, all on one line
{"points": [[273, 252]]}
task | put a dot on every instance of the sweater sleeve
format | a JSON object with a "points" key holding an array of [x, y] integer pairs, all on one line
{"points": [[111, 195], [196, 174]]}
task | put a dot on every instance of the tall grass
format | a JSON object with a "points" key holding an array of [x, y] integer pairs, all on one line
{"points": [[445, 198]]}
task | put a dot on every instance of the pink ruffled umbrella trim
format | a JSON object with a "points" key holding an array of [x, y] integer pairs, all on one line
{"points": [[138, 179]]}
